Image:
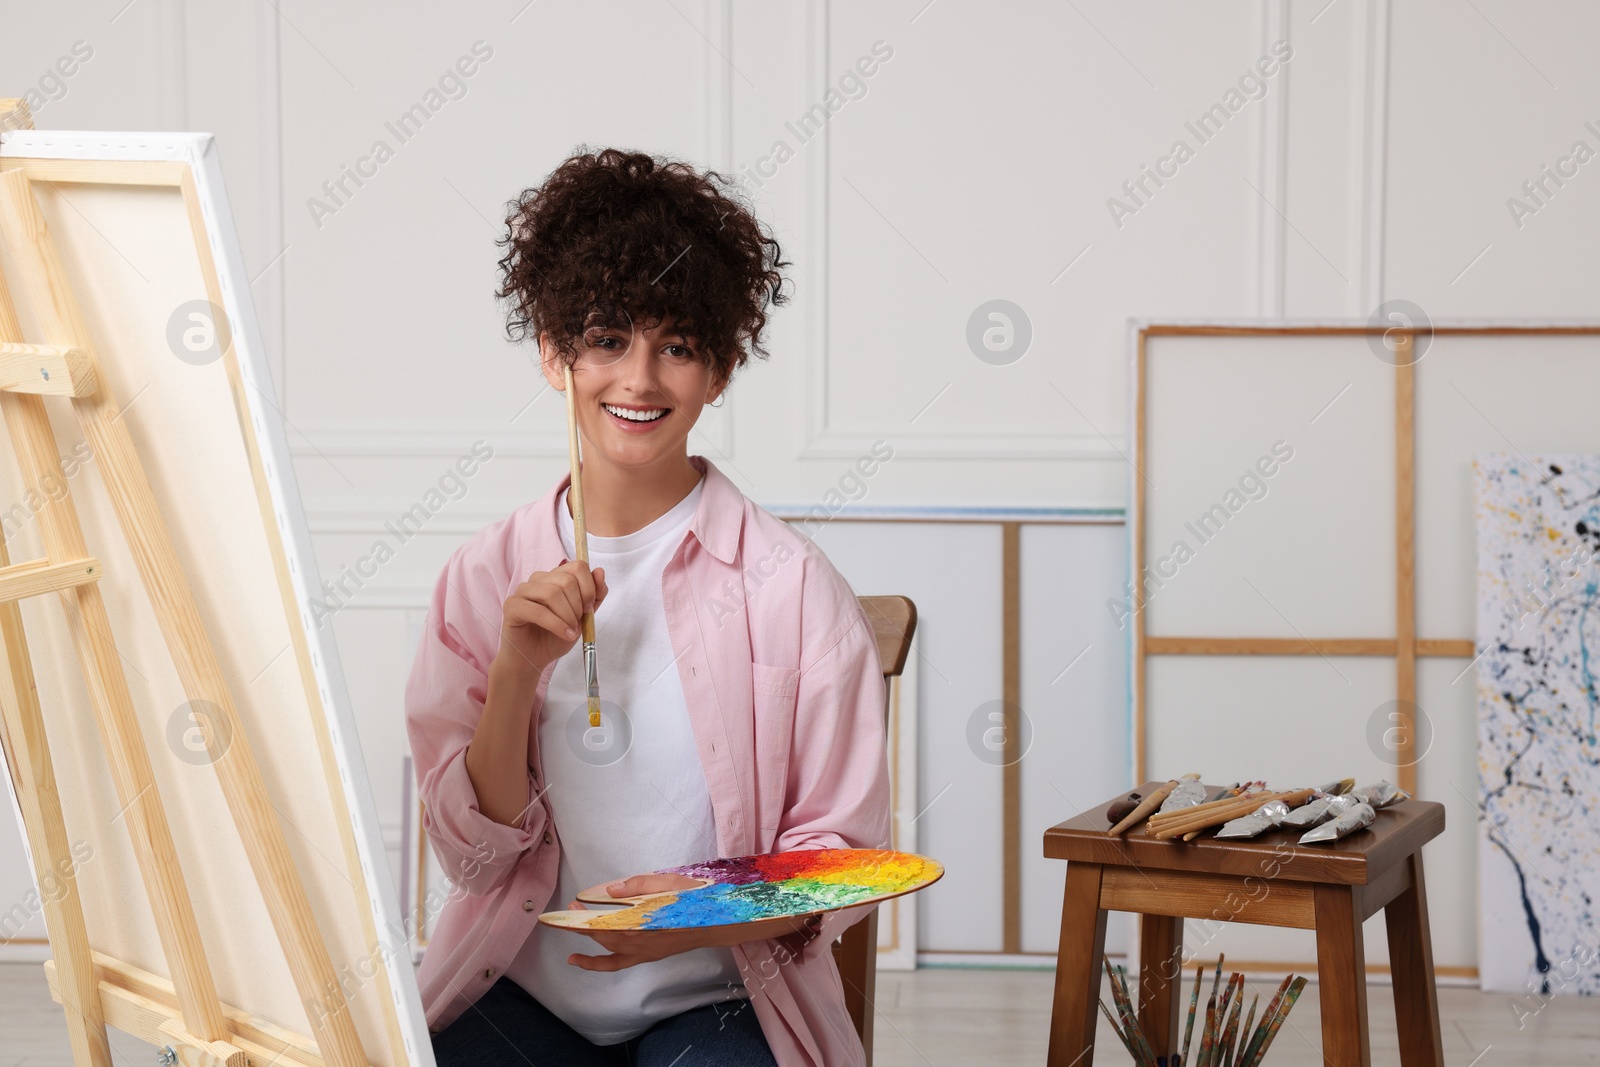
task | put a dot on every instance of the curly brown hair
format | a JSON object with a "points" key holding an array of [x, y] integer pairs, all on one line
{"points": [[613, 237]]}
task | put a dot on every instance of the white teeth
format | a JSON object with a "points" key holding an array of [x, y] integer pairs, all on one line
{"points": [[635, 416]]}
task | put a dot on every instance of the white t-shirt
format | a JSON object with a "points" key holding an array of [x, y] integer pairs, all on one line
{"points": [[628, 797]]}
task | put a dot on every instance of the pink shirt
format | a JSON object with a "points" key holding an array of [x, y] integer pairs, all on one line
{"points": [[785, 693]]}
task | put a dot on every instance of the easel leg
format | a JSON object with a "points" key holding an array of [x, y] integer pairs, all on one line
{"points": [[1416, 998], [1083, 945], [1342, 978], [33, 778], [1160, 971]]}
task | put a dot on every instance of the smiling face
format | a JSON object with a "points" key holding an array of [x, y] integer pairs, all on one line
{"points": [[637, 391]]}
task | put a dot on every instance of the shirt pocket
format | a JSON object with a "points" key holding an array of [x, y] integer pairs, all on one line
{"points": [[776, 692]]}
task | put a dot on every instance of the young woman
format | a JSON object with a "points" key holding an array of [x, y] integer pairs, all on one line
{"points": [[742, 690]]}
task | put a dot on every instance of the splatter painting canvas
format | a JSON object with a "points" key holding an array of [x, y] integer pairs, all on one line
{"points": [[1538, 526]]}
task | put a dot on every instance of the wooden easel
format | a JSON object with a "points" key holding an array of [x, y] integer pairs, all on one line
{"points": [[93, 988]]}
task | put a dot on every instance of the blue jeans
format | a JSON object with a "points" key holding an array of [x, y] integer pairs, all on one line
{"points": [[508, 1026]]}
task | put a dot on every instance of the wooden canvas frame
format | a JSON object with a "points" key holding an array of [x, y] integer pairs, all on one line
{"points": [[1405, 647], [181, 1009]]}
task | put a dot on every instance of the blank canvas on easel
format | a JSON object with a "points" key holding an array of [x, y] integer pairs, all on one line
{"points": [[148, 244]]}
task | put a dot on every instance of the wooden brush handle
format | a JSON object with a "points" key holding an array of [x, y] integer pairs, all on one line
{"points": [[1146, 806], [1217, 816], [1193, 809], [1214, 817], [1190, 815], [580, 528]]}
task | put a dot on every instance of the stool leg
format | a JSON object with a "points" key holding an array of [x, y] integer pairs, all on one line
{"points": [[1083, 944], [1160, 969], [1416, 997], [1341, 978]]}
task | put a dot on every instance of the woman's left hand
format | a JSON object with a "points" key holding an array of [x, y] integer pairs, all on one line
{"points": [[628, 948]]}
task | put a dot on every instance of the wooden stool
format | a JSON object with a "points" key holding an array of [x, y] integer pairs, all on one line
{"points": [[1271, 880]]}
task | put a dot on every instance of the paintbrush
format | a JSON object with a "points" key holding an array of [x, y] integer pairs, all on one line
{"points": [[1226, 813], [1145, 807], [1277, 1022], [1232, 1030], [1130, 1020], [1244, 1031], [1220, 798], [1222, 1015], [1221, 794], [1138, 1031], [1207, 1033], [1230, 799], [1226, 793], [1194, 1002], [1120, 1035], [580, 539], [1266, 1018], [1200, 812]]}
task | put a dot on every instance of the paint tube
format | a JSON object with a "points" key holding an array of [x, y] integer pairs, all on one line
{"points": [[1186, 794], [1258, 822], [1381, 795], [1359, 817], [1309, 814]]}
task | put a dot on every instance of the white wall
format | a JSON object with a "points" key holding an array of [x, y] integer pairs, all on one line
{"points": [[977, 166]]}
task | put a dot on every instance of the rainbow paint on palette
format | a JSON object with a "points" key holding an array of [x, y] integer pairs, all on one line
{"points": [[777, 885]]}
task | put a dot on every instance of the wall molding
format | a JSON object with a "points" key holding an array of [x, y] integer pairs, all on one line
{"points": [[172, 33], [715, 425], [1272, 169], [821, 438], [1369, 155], [713, 429], [717, 15], [270, 287]]}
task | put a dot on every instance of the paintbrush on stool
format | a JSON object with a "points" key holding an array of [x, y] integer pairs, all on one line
{"points": [[1143, 808]]}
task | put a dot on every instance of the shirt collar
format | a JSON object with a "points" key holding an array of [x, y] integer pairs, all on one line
{"points": [[717, 522], [719, 519]]}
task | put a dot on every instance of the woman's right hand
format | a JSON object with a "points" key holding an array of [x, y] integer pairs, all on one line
{"points": [[543, 617]]}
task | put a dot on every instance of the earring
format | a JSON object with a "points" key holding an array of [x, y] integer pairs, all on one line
{"points": [[720, 399]]}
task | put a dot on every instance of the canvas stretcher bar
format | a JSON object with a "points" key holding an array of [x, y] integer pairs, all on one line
{"points": [[1405, 647]]}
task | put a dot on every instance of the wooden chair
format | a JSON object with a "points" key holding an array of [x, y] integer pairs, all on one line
{"points": [[894, 620]]}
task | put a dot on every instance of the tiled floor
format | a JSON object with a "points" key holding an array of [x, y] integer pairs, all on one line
{"points": [[938, 1017]]}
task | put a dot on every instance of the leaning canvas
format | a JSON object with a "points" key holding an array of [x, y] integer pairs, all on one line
{"points": [[1538, 526], [145, 243]]}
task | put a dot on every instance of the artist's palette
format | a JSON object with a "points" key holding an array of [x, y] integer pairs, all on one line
{"points": [[753, 889]]}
